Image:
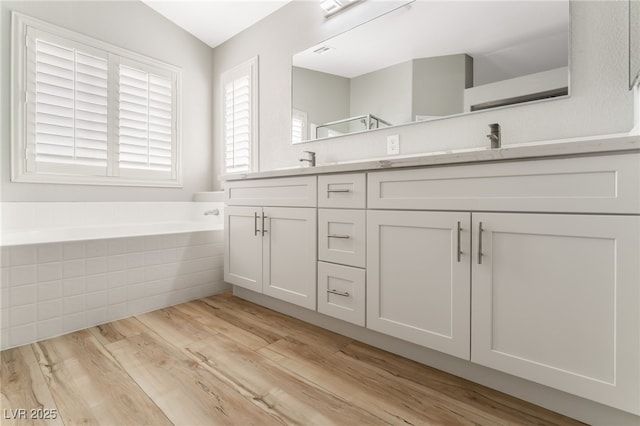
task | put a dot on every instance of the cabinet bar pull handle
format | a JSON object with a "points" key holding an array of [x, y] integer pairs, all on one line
{"points": [[337, 190], [480, 243], [338, 236], [339, 293], [459, 252], [264, 231], [255, 224]]}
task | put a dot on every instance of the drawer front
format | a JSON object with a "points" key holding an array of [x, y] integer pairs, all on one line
{"points": [[346, 191], [282, 192], [597, 184], [342, 236], [341, 292]]}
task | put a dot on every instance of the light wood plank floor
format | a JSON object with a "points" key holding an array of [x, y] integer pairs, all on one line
{"points": [[224, 361]]}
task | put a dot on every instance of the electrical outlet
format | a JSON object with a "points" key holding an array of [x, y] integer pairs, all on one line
{"points": [[393, 144]]}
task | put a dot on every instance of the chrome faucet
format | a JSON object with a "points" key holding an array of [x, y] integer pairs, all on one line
{"points": [[312, 158], [494, 136]]}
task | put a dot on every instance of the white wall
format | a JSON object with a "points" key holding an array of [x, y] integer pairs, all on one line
{"points": [[324, 97], [439, 83], [134, 26], [385, 93], [600, 102]]}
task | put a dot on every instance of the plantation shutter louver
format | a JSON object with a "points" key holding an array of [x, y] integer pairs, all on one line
{"points": [[237, 126], [145, 120], [239, 115], [70, 106]]}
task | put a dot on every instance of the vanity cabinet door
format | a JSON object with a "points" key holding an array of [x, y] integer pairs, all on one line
{"points": [[556, 301], [418, 278], [243, 247], [289, 248]]}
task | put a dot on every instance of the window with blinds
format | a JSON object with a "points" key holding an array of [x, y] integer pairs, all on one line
{"points": [[239, 113], [144, 120], [88, 112], [70, 106], [298, 126]]}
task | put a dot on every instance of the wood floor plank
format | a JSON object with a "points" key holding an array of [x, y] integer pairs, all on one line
{"points": [[324, 340], [394, 404], [89, 386], [188, 393], [261, 381], [117, 330], [176, 326], [497, 403], [203, 313], [24, 388], [223, 309]]}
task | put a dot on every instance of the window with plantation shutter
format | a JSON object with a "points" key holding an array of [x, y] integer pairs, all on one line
{"points": [[87, 112], [70, 106], [240, 117], [298, 126], [144, 120]]}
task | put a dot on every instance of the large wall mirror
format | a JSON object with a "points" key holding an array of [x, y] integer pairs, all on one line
{"points": [[428, 60]]}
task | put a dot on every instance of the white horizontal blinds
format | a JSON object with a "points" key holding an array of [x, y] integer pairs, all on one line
{"points": [[237, 116], [145, 111], [70, 106]]}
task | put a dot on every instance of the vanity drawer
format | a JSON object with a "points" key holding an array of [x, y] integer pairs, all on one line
{"points": [[341, 292], [341, 236], [281, 192], [347, 191], [590, 184]]}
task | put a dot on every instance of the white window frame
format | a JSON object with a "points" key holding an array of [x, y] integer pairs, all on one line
{"points": [[300, 117], [249, 68], [22, 166]]}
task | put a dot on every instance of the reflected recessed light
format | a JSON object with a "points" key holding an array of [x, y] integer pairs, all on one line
{"points": [[323, 49], [332, 7]]}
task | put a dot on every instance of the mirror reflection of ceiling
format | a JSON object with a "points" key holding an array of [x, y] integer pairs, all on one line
{"points": [[429, 60], [506, 39]]}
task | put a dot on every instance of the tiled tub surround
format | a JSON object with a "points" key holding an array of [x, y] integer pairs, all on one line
{"points": [[56, 288], [68, 266]]}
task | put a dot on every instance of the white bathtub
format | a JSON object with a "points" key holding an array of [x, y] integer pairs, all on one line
{"points": [[36, 223], [69, 266]]}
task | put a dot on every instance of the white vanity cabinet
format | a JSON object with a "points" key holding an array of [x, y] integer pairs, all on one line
{"points": [[418, 280], [271, 249], [556, 301], [555, 295]]}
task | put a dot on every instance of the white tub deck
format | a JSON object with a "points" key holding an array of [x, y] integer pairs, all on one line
{"points": [[38, 223]]}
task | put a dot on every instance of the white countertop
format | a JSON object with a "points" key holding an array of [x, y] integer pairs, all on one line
{"points": [[567, 147]]}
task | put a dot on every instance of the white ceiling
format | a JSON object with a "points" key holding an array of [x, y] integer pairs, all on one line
{"points": [[215, 21]]}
